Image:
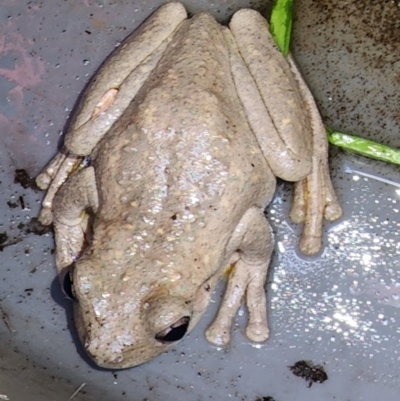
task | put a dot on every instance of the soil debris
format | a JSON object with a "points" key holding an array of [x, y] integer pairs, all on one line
{"points": [[309, 372], [22, 177]]}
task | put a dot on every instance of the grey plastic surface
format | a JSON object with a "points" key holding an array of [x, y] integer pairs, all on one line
{"points": [[339, 309]]}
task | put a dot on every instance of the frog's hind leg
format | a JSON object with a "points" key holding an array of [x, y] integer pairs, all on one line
{"points": [[71, 220], [108, 96], [284, 117], [314, 196], [122, 75], [267, 90], [254, 243]]}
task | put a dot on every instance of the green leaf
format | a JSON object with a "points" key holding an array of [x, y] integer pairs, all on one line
{"points": [[281, 24]]}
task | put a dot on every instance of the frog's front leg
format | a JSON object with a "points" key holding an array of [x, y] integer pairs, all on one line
{"points": [[109, 94], [253, 242], [285, 120], [71, 220]]}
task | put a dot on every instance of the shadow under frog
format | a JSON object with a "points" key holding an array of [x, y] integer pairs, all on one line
{"points": [[187, 125]]}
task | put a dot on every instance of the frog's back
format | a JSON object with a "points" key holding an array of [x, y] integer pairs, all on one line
{"points": [[183, 151]]}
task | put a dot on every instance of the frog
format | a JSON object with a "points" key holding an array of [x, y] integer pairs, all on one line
{"points": [[160, 188]]}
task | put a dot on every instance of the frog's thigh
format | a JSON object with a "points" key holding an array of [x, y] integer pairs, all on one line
{"points": [[269, 94], [70, 219], [254, 240], [121, 77]]}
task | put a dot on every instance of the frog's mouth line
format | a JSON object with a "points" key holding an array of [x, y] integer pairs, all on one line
{"points": [[175, 332]]}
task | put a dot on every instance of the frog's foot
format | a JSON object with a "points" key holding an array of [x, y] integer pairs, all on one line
{"points": [[314, 199], [52, 178], [71, 221], [255, 244], [314, 196]]}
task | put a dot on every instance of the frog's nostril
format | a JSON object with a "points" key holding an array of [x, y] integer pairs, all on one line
{"points": [[174, 332]]}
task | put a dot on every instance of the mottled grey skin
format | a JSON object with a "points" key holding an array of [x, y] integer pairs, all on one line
{"points": [[184, 153]]}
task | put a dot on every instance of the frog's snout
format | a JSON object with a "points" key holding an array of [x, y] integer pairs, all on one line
{"points": [[175, 332]]}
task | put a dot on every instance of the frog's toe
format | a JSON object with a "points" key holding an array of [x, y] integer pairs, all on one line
{"points": [[314, 200], [332, 211], [218, 335], [310, 244], [299, 208], [257, 332], [298, 213], [45, 216], [43, 180]]}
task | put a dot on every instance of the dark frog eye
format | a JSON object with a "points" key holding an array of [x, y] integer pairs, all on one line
{"points": [[67, 285], [174, 332]]}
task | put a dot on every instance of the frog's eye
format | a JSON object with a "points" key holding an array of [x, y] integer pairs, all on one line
{"points": [[67, 285], [174, 332]]}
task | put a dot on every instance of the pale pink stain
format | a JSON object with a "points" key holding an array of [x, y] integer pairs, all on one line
{"points": [[27, 71], [25, 74]]}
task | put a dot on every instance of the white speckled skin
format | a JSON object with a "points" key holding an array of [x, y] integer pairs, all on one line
{"points": [[180, 173]]}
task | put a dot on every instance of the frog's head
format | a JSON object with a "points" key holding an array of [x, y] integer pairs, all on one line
{"points": [[122, 324]]}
